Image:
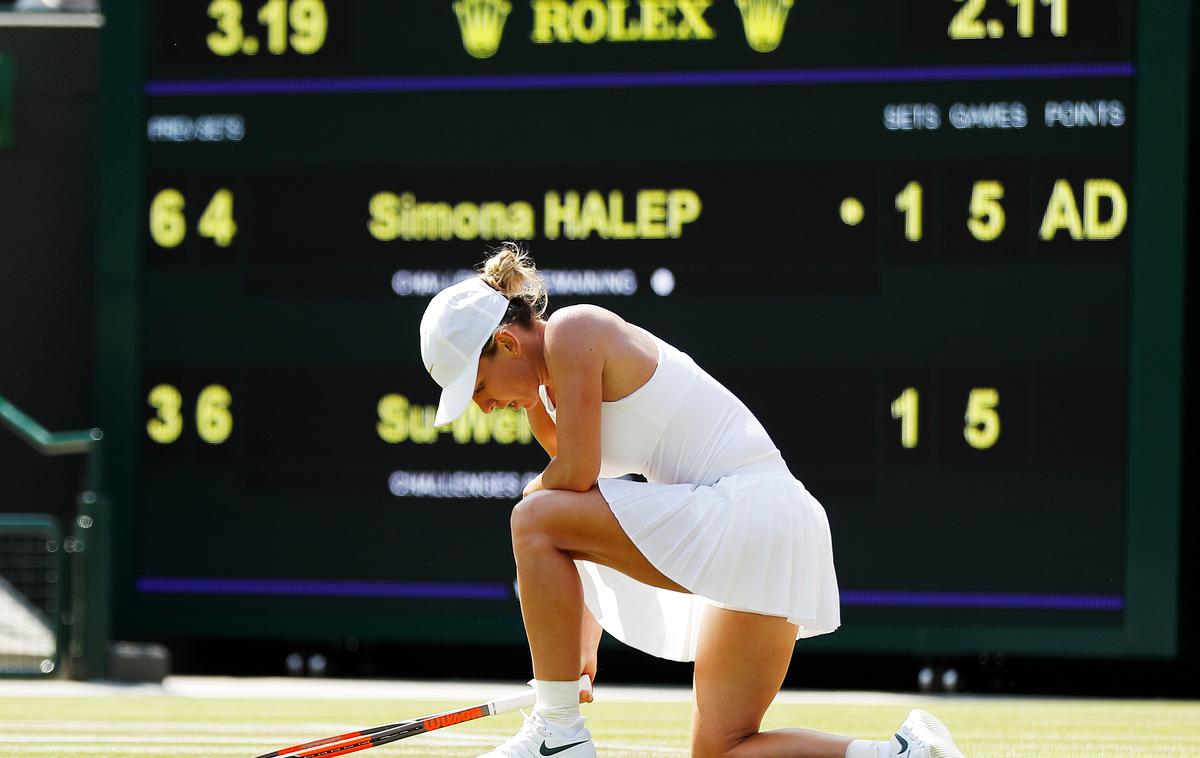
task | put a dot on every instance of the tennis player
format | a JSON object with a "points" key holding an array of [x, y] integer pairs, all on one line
{"points": [[721, 557]]}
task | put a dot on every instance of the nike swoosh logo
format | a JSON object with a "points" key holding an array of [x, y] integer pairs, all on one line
{"points": [[903, 744], [556, 750]]}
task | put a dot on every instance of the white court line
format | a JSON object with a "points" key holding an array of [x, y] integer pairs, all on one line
{"points": [[100, 727], [181, 744], [147, 750], [285, 688], [37, 735], [108, 739]]}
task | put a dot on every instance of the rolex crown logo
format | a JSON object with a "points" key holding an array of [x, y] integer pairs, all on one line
{"points": [[482, 24], [763, 22]]}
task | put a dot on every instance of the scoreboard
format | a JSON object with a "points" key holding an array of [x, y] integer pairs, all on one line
{"points": [[934, 245]]}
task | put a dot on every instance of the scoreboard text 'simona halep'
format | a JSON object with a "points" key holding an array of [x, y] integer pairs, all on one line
{"points": [[935, 246]]}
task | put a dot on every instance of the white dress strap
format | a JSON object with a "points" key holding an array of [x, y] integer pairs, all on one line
{"points": [[549, 406]]}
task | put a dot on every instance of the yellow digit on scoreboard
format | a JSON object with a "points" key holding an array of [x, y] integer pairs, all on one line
{"points": [[909, 202], [987, 215], [306, 20], [967, 24], [168, 227], [214, 421], [905, 408], [167, 424], [310, 24], [982, 421], [273, 15], [228, 38], [217, 222]]}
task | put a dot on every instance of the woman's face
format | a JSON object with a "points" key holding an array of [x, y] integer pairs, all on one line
{"points": [[507, 378]]}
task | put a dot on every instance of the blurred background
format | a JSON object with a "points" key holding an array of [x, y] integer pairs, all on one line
{"points": [[939, 248]]}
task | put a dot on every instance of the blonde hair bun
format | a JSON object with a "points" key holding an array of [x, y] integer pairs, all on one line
{"points": [[511, 271]]}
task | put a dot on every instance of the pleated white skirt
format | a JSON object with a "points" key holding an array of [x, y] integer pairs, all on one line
{"points": [[749, 542]]}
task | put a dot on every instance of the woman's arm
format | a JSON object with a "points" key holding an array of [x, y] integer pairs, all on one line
{"points": [[546, 434], [543, 428], [575, 355]]}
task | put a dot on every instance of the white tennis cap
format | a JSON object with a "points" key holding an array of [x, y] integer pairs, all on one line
{"points": [[457, 323]]}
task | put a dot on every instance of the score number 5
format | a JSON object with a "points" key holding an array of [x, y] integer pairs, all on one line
{"points": [[987, 214], [982, 427]]}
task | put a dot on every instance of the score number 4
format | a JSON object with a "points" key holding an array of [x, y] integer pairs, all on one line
{"points": [[308, 20], [168, 225], [982, 427]]}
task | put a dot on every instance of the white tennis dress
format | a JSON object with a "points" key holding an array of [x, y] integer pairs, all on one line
{"points": [[720, 514]]}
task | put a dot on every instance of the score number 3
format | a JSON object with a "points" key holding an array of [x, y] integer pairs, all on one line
{"points": [[982, 427], [214, 421], [308, 20]]}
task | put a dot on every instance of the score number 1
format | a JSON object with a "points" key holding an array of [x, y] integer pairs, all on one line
{"points": [[987, 218], [308, 20], [982, 427], [966, 24]]}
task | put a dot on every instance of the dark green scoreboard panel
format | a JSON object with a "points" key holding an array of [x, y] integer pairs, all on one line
{"points": [[935, 246]]}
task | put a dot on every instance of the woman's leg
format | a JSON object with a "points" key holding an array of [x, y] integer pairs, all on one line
{"points": [[742, 657], [550, 530], [740, 664]]}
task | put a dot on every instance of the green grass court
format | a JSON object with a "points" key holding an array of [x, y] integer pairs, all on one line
{"points": [[231, 717]]}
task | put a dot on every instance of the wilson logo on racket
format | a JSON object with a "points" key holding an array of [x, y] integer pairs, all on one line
{"points": [[450, 719]]}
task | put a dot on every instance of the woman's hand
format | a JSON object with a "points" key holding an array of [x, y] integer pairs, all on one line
{"points": [[589, 648], [587, 665], [534, 485]]}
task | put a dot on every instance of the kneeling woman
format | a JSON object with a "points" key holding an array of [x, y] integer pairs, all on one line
{"points": [[721, 557]]}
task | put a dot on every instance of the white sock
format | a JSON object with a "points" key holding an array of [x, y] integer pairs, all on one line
{"points": [[558, 702], [867, 749]]}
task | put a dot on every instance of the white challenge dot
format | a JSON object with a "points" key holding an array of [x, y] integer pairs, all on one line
{"points": [[662, 282]]}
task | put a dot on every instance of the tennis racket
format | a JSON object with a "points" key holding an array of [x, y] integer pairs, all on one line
{"points": [[352, 742]]}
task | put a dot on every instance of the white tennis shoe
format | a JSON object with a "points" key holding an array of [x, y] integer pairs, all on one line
{"points": [[537, 739], [923, 736]]}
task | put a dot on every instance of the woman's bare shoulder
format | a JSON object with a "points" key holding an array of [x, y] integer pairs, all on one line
{"points": [[579, 330], [583, 323]]}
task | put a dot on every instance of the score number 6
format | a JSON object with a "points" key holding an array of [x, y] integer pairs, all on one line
{"points": [[214, 421]]}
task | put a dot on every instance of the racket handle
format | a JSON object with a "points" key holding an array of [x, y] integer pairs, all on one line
{"points": [[526, 698], [510, 703]]}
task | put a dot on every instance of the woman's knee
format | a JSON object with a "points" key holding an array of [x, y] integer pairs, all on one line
{"points": [[528, 521], [708, 743]]}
